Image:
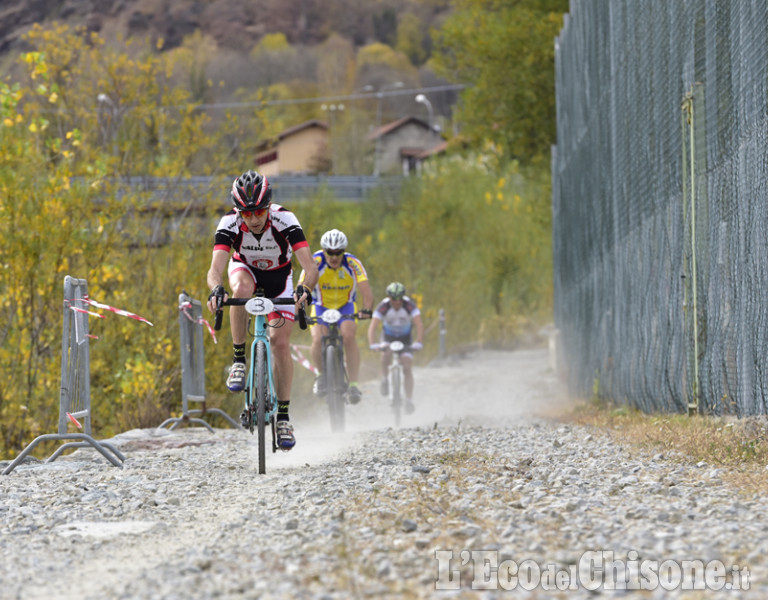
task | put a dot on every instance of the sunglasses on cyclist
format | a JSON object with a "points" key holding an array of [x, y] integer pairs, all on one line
{"points": [[334, 252], [258, 212]]}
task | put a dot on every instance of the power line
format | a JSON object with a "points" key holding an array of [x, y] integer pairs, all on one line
{"points": [[358, 96]]}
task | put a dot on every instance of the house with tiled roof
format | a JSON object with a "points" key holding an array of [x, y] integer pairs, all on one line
{"points": [[401, 144], [301, 149]]}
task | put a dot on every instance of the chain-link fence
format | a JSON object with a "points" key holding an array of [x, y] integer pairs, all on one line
{"points": [[660, 203]]}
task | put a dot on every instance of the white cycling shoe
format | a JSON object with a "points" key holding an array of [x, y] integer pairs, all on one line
{"points": [[285, 438], [236, 379]]}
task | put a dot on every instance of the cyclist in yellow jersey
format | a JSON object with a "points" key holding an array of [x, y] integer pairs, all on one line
{"points": [[343, 282]]}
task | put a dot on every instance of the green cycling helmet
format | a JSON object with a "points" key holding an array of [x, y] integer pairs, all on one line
{"points": [[396, 290]]}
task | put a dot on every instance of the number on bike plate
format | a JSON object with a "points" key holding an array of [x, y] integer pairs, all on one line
{"points": [[259, 306], [396, 346], [331, 316]]}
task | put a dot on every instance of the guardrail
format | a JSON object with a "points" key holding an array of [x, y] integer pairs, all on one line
{"points": [[353, 188]]}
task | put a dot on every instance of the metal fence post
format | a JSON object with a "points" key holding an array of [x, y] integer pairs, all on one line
{"points": [[193, 366], [441, 319], [75, 390]]}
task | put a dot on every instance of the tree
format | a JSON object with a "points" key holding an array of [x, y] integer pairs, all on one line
{"points": [[379, 64], [335, 64], [410, 38], [505, 52], [80, 118], [193, 58], [385, 26]]}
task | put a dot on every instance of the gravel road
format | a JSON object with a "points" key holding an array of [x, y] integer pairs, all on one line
{"points": [[482, 488]]}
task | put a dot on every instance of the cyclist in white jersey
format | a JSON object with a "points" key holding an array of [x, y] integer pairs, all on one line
{"points": [[264, 237], [399, 317]]}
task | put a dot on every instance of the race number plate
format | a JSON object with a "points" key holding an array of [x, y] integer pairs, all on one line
{"points": [[259, 306], [331, 316]]}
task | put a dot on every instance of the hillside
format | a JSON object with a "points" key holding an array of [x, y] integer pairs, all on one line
{"points": [[295, 48], [234, 24]]}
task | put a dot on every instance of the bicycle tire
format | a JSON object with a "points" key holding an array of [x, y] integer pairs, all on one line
{"points": [[261, 382], [397, 398], [335, 386]]}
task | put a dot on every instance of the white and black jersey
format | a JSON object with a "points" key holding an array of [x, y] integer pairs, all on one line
{"points": [[396, 322], [267, 254]]}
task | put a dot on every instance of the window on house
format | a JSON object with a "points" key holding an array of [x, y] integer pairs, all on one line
{"points": [[267, 158]]}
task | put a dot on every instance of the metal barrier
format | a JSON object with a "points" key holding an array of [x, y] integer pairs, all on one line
{"points": [[286, 188], [442, 332], [75, 393], [193, 367]]}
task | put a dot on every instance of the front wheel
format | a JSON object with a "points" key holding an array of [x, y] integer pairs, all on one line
{"points": [[334, 381], [261, 380], [397, 399]]}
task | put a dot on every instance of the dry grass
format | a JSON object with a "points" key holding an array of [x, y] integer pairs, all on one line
{"points": [[738, 446]]}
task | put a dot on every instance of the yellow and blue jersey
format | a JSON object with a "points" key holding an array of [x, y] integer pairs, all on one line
{"points": [[338, 287]]}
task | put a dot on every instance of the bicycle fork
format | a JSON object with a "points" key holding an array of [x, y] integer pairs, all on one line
{"points": [[251, 393]]}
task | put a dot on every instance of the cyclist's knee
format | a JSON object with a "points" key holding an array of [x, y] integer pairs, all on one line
{"points": [[280, 341], [317, 334], [241, 288]]}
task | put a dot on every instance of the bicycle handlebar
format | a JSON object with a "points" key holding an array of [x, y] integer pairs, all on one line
{"points": [[315, 320], [383, 346], [243, 301]]}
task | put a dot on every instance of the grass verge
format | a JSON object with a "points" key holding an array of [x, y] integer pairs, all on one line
{"points": [[738, 446]]}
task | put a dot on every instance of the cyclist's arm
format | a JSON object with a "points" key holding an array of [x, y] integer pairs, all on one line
{"points": [[310, 273], [367, 295], [373, 331], [219, 261], [419, 325]]}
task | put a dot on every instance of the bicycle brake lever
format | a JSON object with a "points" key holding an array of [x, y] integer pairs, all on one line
{"points": [[302, 318], [217, 324]]}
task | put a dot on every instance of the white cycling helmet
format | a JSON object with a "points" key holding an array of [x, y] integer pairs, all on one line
{"points": [[333, 240]]}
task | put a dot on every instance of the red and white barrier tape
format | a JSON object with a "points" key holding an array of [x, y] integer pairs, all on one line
{"points": [[299, 358], [77, 329], [117, 311], [87, 312], [75, 421], [184, 307]]}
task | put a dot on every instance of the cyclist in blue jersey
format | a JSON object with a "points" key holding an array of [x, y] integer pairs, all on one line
{"points": [[400, 320]]}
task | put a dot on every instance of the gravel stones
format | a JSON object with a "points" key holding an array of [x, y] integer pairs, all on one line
{"points": [[363, 516], [191, 520]]}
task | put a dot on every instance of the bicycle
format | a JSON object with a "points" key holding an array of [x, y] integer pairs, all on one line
{"points": [[334, 371], [260, 396], [395, 377]]}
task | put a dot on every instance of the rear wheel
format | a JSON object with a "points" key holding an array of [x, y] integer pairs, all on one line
{"points": [[334, 381], [397, 399], [261, 380]]}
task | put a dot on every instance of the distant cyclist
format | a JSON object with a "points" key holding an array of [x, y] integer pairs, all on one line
{"points": [[263, 237], [398, 316], [342, 277]]}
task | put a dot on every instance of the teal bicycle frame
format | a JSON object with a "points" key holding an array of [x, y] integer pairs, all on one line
{"points": [[260, 396]]}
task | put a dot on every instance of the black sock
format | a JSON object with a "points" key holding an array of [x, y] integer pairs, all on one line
{"points": [[239, 353], [282, 410]]}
